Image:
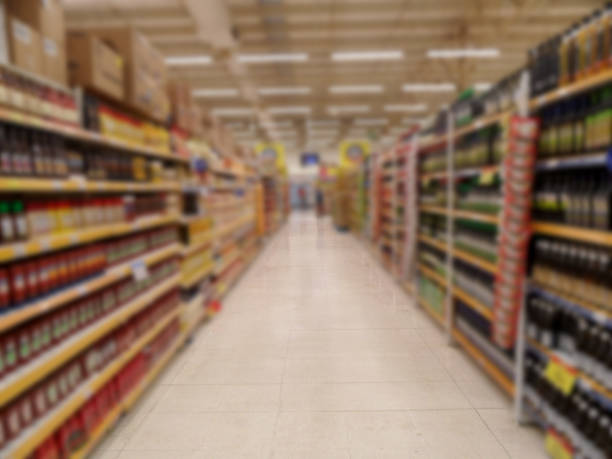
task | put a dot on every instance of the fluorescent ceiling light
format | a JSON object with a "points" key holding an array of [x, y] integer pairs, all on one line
{"points": [[289, 110], [274, 57], [383, 55], [215, 92], [277, 124], [339, 109], [482, 53], [322, 123], [357, 89], [405, 108], [232, 111], [322, 131], [482, 86], [429, 87], [285, 91], [371, 121], [177, 61]]}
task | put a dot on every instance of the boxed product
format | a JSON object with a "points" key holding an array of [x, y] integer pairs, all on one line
{"points": [[54, 65], [46, 16], [144, 71], [95, 65], [24, 45]]}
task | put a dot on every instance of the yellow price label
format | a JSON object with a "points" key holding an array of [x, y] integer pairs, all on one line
{"points": [[560, 376], [555, 448], [486, 177]]}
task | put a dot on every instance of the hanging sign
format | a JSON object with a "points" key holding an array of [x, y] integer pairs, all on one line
{"points": [[271, 156], [353, 152]]}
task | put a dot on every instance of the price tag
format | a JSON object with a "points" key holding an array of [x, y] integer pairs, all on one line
{"points": [[82, 289], [560, 376], [19, 250], [74, 238], [80, 182], [478, 124], [139, 270], [486, 177], [556, 448]]}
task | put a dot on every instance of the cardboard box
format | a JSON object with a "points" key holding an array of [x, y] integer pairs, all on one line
{"points": [[46, 16], [25, 46], [94, 65], [141, 72], [54, 63]]}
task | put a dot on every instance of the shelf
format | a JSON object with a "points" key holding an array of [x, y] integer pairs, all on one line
{"points": [[197, 302], [476, 216], [476, 261], [431, 274], [571, 89], [572, 232], [482, 360], [189, 280], [199, 243], [79, 185], [227, 261], [441, 245], [587, 380], [473, 303], [229, 227], [433, 209], [15, 383], [77, 133], [573, 162], [476, 171], [72, 292], [433, 175], [44, 244], [33, 437], [482, 122], [431, 311], [591, 312], [127, 403]]}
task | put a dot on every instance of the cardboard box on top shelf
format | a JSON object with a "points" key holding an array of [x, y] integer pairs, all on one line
{"points": [[54, 63], [25, 49], [94, 65], [180, 100], [46, 16], [143, 71]]}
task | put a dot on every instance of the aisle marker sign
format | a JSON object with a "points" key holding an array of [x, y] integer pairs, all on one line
{"points": [[353, 152], [271, 156]]}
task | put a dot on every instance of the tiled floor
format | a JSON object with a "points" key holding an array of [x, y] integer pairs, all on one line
{"points": [[318, 354]]}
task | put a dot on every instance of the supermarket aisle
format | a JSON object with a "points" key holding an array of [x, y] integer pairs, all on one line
{"points": [[318, 354]]}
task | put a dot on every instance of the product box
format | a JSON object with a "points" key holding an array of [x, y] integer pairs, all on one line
{"points": [[24, 45], [54, 63], [46, 16], [94, 65], [143, 66]]}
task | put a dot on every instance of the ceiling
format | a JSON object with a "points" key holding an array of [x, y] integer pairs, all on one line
{"points": [[311, 31]]}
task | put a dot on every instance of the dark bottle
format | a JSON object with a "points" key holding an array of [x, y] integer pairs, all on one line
{"points": [[38, 159], [6, 152]]}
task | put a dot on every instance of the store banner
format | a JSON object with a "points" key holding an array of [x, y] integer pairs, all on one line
{"points": [[271, 157], [353, 152]]}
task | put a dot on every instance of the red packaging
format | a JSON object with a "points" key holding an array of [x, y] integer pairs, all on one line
{"points": [[53, 272], [49, 449], [18, 283], [62, 270], [5, 290], [43, 276], [11, 358], [71, 436]]}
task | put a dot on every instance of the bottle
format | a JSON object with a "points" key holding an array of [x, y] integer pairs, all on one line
{"points": [[6, 156], [20, 220], [6, 223], [38, 159]]}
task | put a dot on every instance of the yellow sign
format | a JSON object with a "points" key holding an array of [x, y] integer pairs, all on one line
{"points": [[487, 177], [353, 152], [271, 154], [555, 448], [560, 376]]}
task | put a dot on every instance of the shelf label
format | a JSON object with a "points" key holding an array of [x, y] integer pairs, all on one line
{"points": [[487, 177], [139, 270], [19, 250], [556, 447], [560, 376]]}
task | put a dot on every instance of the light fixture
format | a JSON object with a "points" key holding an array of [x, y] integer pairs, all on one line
{"points": [[312, 131], [340, 109], [405, 108], [371, 122], [289, 110], [270, 58], [429, 87], [215, 92], [276, 124], [284, 91], [481, 53], [356, 89], [232, 111], [179, 61], [382, 55], [482, 86]]}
